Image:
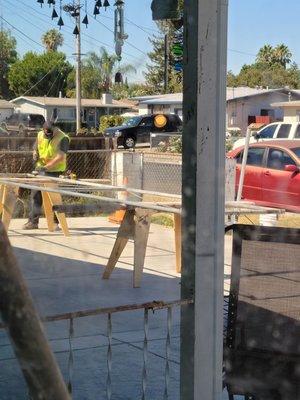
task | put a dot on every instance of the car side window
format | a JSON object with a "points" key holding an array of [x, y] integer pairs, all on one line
{"points": [[284, 131], [268, 132], [297, 133], [278, 159], [147, 122], [255, 156]]}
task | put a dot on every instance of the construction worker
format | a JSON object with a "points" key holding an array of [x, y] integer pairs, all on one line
{"points": [[50, 155]]}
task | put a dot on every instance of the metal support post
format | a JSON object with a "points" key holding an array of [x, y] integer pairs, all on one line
{"points": [[78, 69], [166, 58], [205, 36]]}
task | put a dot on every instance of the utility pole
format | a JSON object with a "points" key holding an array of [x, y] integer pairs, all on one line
{"points": [[78, 69], [166, 72]]}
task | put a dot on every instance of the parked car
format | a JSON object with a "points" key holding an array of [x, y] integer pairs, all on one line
{"points": [[272, 175], [23, 123], [137, 129], [276, 130]]}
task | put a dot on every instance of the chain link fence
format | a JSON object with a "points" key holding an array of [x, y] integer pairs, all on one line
{"points": [[85, 164], [162, 172]]}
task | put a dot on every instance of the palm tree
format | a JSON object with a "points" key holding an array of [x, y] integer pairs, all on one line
{"points": [[108, 65], [52, 39], [265, 55], [282, 55]]}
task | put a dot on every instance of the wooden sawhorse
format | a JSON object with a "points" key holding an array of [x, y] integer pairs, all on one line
{"points": [[8, 199], [135, 226]]}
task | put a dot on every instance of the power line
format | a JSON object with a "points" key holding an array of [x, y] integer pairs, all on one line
{"points": [[84, 34], [22, 33], [20, 16], [130, 44]]}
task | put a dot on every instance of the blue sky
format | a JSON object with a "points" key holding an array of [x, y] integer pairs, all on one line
{"points": [[251, 25]]}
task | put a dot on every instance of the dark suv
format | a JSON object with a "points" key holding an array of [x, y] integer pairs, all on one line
{"points": [[23, 123], [137, 129]]}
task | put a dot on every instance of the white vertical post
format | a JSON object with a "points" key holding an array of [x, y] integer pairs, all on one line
{"points": [[78, 70], [243, 166], [203, 198]]}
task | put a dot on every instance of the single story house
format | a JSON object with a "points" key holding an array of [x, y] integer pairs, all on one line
{"points": [[291, 110], [6, 109], [64, 109], [243, 105]]}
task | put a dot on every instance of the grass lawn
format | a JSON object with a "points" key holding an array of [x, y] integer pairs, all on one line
{"points": [[289, 220]]}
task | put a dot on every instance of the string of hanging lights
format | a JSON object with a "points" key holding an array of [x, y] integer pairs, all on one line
{"points": [[73, 8]]}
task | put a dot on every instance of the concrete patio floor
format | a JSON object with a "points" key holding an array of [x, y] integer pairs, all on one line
{"points": [[64, 275]]}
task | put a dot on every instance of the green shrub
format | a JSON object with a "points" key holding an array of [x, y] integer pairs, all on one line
{"points": [[109, 121], [173, 145]]}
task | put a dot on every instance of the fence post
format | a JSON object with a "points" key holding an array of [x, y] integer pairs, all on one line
{"points": [[32, 350]]}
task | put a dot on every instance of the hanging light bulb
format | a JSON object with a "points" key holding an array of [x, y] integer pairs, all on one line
{"points": [[76, 30], [118, 78], [54, 14], [106, 4], [85, 20], [96, 11], [41, 2], [60, 22]]}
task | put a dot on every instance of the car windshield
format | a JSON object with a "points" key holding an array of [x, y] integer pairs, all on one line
{"points": [[134, 121], [297, 151]]}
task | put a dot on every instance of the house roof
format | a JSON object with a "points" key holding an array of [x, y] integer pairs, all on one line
{"points": [[231, 94], [287, 104], [6, 104], [70, 102]]}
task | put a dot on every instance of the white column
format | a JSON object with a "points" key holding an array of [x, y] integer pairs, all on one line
{"points": [[203, 198]]}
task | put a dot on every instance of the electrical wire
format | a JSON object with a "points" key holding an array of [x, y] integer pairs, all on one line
{"points": [[22, 33], [22, 17], [126, 41], [71, 32]]}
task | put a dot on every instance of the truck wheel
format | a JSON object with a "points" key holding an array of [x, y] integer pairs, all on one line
{"points": [[129, 143]]}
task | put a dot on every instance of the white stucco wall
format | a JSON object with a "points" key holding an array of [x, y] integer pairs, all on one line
{"points": [[291, 114], [238, 111], [31, 108]]}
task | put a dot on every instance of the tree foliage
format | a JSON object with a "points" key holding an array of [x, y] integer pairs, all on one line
{"points": [[40, 74], [8, 56], [52, 39], [155, 74], [273, 68], [97, 75]]}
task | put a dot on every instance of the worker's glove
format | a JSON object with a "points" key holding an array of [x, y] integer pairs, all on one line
{"points": [[40, 170]]}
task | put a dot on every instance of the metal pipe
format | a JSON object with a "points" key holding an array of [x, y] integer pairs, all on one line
{"points": [[153, 305], [143, 205], [78, 69], [243, 166], [32, 350], [112, 187]]}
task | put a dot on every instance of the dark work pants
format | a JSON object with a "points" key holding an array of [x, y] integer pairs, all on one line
{"points": [[36, 202]]}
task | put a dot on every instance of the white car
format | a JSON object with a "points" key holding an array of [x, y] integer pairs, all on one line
{"points": [[276, 130]]}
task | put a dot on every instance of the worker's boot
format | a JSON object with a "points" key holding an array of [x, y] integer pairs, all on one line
{"points": [[30, 225]]}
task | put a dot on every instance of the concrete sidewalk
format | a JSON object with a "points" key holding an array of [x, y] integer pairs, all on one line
{"points": [[64, 274]]}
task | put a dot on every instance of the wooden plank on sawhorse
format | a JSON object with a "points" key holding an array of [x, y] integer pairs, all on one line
{"points": [[8, 199], [135, 226]]}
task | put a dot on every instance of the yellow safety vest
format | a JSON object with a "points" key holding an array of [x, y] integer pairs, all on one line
{"points": [[48, 150]]}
